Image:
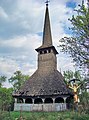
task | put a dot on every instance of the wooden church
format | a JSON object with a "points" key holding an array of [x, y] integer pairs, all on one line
{"points": [[45, 90]]}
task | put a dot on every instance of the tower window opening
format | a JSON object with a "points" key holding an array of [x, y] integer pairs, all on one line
{"points": [[40, 52], [49, 51], [45, 51]]}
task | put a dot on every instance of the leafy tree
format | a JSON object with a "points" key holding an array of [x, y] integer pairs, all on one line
{"points": [[18, 79], [2, 80], [84, 101], [5, 98], [68, 75], [78, 44]]}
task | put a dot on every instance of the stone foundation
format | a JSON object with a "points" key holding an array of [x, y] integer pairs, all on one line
{"points": [[40, 107]]}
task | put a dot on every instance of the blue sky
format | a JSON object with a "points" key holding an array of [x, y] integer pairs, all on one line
{"points": [[21, 26], [71, 4]]}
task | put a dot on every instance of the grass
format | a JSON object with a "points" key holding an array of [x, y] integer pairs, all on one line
{"points": [[68, 115]]}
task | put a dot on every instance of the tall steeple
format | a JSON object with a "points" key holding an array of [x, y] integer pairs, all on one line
{"points": [[47, 37], [46, 52]]}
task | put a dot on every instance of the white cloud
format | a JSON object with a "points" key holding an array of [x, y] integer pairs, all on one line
{"points": [[3, 14], [7, 66], [24, 42], [65, 63]]}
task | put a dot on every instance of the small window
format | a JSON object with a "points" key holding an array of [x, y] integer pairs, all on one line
{"points": [[49, 51], [45, 51], [40, 52]]}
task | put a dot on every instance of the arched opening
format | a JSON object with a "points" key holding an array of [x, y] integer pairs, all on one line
{"points": [[69, 102], [59, 100], [38, 101], [19, 100], [45, 51], [40, 52], [49, 50], [48, 100], [28, 100]]}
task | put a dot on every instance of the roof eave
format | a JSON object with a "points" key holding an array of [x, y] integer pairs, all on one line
{"points": [[44, 48]]}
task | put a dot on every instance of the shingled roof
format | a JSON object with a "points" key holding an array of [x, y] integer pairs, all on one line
{"points": [[43, 83]]}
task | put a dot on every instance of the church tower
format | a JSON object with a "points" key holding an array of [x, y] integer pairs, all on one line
{"points": [[45, 90], [47, 53]]}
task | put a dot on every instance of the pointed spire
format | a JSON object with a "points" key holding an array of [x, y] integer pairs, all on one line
{"points": [[47, 38]]}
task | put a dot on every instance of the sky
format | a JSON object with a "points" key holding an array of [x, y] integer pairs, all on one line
{"points": [[21, 29]]}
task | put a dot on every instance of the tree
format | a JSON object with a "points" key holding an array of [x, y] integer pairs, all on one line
{"points": [[2, 80], [18, 79], [78, 44], [84, 101], [5, 98], [69, 75]]}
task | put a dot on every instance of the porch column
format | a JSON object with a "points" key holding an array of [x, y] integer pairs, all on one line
{"points": [[65, 99], [32, 100], [43, 100], [53, 100], [15, 100], [64, 107], [23, 100]]}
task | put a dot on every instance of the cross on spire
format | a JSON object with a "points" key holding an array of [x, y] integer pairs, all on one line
{"points": [[47, 2]]}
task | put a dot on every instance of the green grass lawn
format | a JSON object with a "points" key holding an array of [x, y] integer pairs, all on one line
{"points": [[43, 116]]}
